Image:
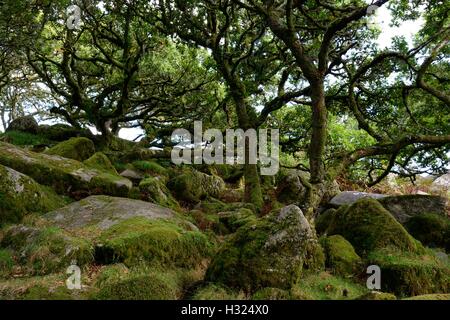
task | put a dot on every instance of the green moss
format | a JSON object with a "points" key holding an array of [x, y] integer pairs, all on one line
{"points": [[323, 286], [323, 221], [151, 283], [159, 241], [150, 167], [375, 295], [431, 229], [40, 292], [268, 252], [101, 162], [217, 292], [341, 257], [21, 195], [153, 190], [79, 149], [271, 294], [368, 226], [65, 176], [235, 219], [430, 297], [407, 274], [19, 138], [193, 186], [43, 251], [6, 262]]}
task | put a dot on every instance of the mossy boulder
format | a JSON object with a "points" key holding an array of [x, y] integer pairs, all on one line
{"points": [[101, 162], [341, 257], [369, 226], [430, 229], [24, 124], [20, 195], [290, 186], [154, 190], [430, 297], [214, 291], [162, 242], [192, 186], [271, 294], [65, 176], [233, 220], [62, 132], [325, 286], [117, 282], [79, 149], [46, 250], [323, 221], [151, 168], [376, 295], [270, 252], [407, 274], [407, 206], [102, 212]]}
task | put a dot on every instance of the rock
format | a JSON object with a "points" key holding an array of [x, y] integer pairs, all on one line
{"points": [[47, 250], [154, 190], [104, 212], [64, 175], [350, 197], [369, 226], [193, 186], [323, 221], [132, 175], [20, 195], [79, 149], [273, 251], [24, 124], [120, 283], [62, 132], [101, 162], [341, 257], [443, 182], [430, 297], [233, 220], [407, 206], [430, 229], [376, 295], [405, 274], [290, 189]]}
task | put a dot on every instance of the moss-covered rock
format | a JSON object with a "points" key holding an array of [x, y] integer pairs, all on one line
{"points": [[46, 250], [155, 241], [101, 162], [20, 195], [271, 252], [407, 206], [24, 124], [431, 229], [233, 220], [376, 295], [6, 262], [341, 257], [192, 186], [102, 212], [150, 167], [271, 294], [323, 221], [120, 283], [79, 149], [324, 286], [430, 297], [217, 292], [154, 190], [407, 274], [290, 188], [369, 226], [62, 132], [65, 176]]}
